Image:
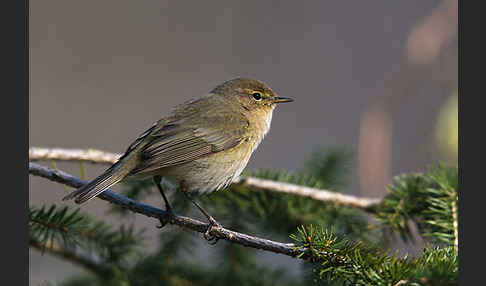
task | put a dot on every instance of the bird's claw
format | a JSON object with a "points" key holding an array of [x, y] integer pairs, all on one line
{"points": [[212, 240], [168, 218]]}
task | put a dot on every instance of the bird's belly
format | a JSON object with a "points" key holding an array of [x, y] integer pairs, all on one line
{"points": [[210, 173]]}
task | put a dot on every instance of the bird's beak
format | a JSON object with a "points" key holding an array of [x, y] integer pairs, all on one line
{"points": [[278, 99]]}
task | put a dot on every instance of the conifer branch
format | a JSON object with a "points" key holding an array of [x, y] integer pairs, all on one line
{"points": [[336, 258], [101, 157], [367, 204], [289, 249], [72, 255]]}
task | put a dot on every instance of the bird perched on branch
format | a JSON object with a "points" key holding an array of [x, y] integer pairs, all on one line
{"points": [[202, 146]]}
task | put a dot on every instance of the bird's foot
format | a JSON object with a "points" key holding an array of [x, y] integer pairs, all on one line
{"points": [[212, 240], [168, 218]]}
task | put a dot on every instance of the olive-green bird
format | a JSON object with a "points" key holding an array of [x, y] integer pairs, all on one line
{"points": [[202, 146]]}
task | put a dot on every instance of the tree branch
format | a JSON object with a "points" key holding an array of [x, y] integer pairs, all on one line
{"points": [[97, 156], [289, 249]]}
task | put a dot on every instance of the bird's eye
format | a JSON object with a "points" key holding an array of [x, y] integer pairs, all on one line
{"points": [[257, 96]]}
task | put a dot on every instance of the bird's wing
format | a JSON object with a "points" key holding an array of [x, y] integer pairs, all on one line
{"points": [[189, 136]]}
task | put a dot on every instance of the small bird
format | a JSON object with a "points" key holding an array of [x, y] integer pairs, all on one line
{"points": [[200, 147]]}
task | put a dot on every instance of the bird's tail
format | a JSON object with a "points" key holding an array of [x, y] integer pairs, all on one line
{"points": [[110, 177]]}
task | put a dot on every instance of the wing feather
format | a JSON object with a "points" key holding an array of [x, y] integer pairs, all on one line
{"points": [[175, 142]]}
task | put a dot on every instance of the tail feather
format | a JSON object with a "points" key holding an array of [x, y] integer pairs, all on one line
{"points": [[110, 177]]}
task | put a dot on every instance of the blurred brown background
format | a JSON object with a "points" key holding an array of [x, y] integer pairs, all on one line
{"points": [[368, 76]]}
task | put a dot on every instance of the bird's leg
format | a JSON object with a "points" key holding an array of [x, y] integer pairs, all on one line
{"points": [[212, 222], [168, 207]]}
